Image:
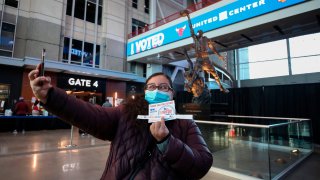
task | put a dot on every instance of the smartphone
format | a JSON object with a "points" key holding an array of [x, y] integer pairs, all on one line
{"points": [[41, 69]]}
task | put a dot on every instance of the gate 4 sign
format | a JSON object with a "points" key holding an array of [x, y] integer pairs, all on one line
{"points": [[82, 82]]}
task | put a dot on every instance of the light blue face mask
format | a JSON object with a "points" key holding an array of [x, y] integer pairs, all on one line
{"points": [[156, 96]]}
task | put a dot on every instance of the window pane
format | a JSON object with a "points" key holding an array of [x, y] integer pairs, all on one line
{"points": [[264, 60], [133, 66], [66, 48], [76, 52], [134, 30], [91, 12], [6, 53], [305, 53], [268, 69], [97, 56], [12, 3], [79, 9], [268, 51], [137, 26], [244, 71], [99, 15], [88, 54], [243, 64], [7, 36], [268, 60], [146, 6], [305, 45], [303, 65], [135, 3], [144, 66], [69, 7]]}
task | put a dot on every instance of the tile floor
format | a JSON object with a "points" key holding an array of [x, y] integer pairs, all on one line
{"points": [[43, 155]]}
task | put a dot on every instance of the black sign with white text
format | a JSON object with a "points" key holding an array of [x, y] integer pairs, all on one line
{"points": [[81, 83]]}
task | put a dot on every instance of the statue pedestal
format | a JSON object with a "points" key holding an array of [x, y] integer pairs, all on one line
{"points": [[203, 111]]}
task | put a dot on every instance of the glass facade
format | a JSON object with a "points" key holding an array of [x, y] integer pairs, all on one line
{"points": [[137, 26], [273, 59], [78, 56], [82, 52], [7, 36], [305, 54], [85, 10], [8, 27]]}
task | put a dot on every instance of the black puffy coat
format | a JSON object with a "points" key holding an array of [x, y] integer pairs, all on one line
{"points": [[186, 156]]}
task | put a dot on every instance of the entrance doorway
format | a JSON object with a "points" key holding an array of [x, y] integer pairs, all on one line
{"points": [[88, 96]]}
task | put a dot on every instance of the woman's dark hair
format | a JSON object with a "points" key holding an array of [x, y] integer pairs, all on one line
{"points": [[160, 74]]}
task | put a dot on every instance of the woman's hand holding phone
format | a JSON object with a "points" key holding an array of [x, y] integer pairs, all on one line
{"points": [[40, 84]]}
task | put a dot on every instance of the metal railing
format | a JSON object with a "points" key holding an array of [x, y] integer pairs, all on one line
{"points": [[257, 147], [192, 8]]}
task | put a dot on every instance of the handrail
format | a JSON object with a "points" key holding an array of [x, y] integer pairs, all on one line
{"points": [[191, 8], [260, 117], [244, 124], [232, 124]]}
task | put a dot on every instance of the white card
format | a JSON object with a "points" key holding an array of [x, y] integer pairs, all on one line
{"points": [[167, 110], [162, 109]]}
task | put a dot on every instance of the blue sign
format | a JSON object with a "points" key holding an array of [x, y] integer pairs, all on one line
{"points": [[220, 17]]}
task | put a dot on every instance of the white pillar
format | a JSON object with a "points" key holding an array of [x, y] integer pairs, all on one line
{"points": [[153, 68], [153, 11]]}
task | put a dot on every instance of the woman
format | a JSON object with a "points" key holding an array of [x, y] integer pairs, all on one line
{"points": [[161, 150]]}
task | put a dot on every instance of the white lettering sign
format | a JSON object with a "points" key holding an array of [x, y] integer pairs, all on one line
{"points": [[82, 82], [78, 52], [148, 43], [224, 15]]}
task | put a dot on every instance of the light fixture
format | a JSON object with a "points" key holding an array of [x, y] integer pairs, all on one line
{"points": [[280, 161], [295, 151]]}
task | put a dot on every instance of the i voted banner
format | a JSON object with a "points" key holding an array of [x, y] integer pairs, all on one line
{"points": [[223, 16]]}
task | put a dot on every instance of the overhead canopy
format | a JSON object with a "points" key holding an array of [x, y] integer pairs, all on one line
{"points": [[56, 66]]}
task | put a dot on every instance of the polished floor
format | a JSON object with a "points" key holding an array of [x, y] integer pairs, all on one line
{"points": [[44, 155], [48, 155]]}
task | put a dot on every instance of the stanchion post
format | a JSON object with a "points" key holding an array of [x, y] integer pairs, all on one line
{"points": [[71, 139]]}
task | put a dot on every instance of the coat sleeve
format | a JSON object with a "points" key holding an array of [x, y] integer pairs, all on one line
{"points": [[191, 158], [96, 120]]}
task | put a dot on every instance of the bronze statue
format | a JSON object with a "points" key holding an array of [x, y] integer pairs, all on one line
{"points": [[194, 81]]}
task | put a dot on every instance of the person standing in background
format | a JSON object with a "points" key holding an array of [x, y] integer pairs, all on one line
{"points": [[21, 109], [107, 103]]}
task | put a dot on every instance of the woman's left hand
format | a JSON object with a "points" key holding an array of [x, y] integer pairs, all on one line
{"points": [[159, 130]]}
